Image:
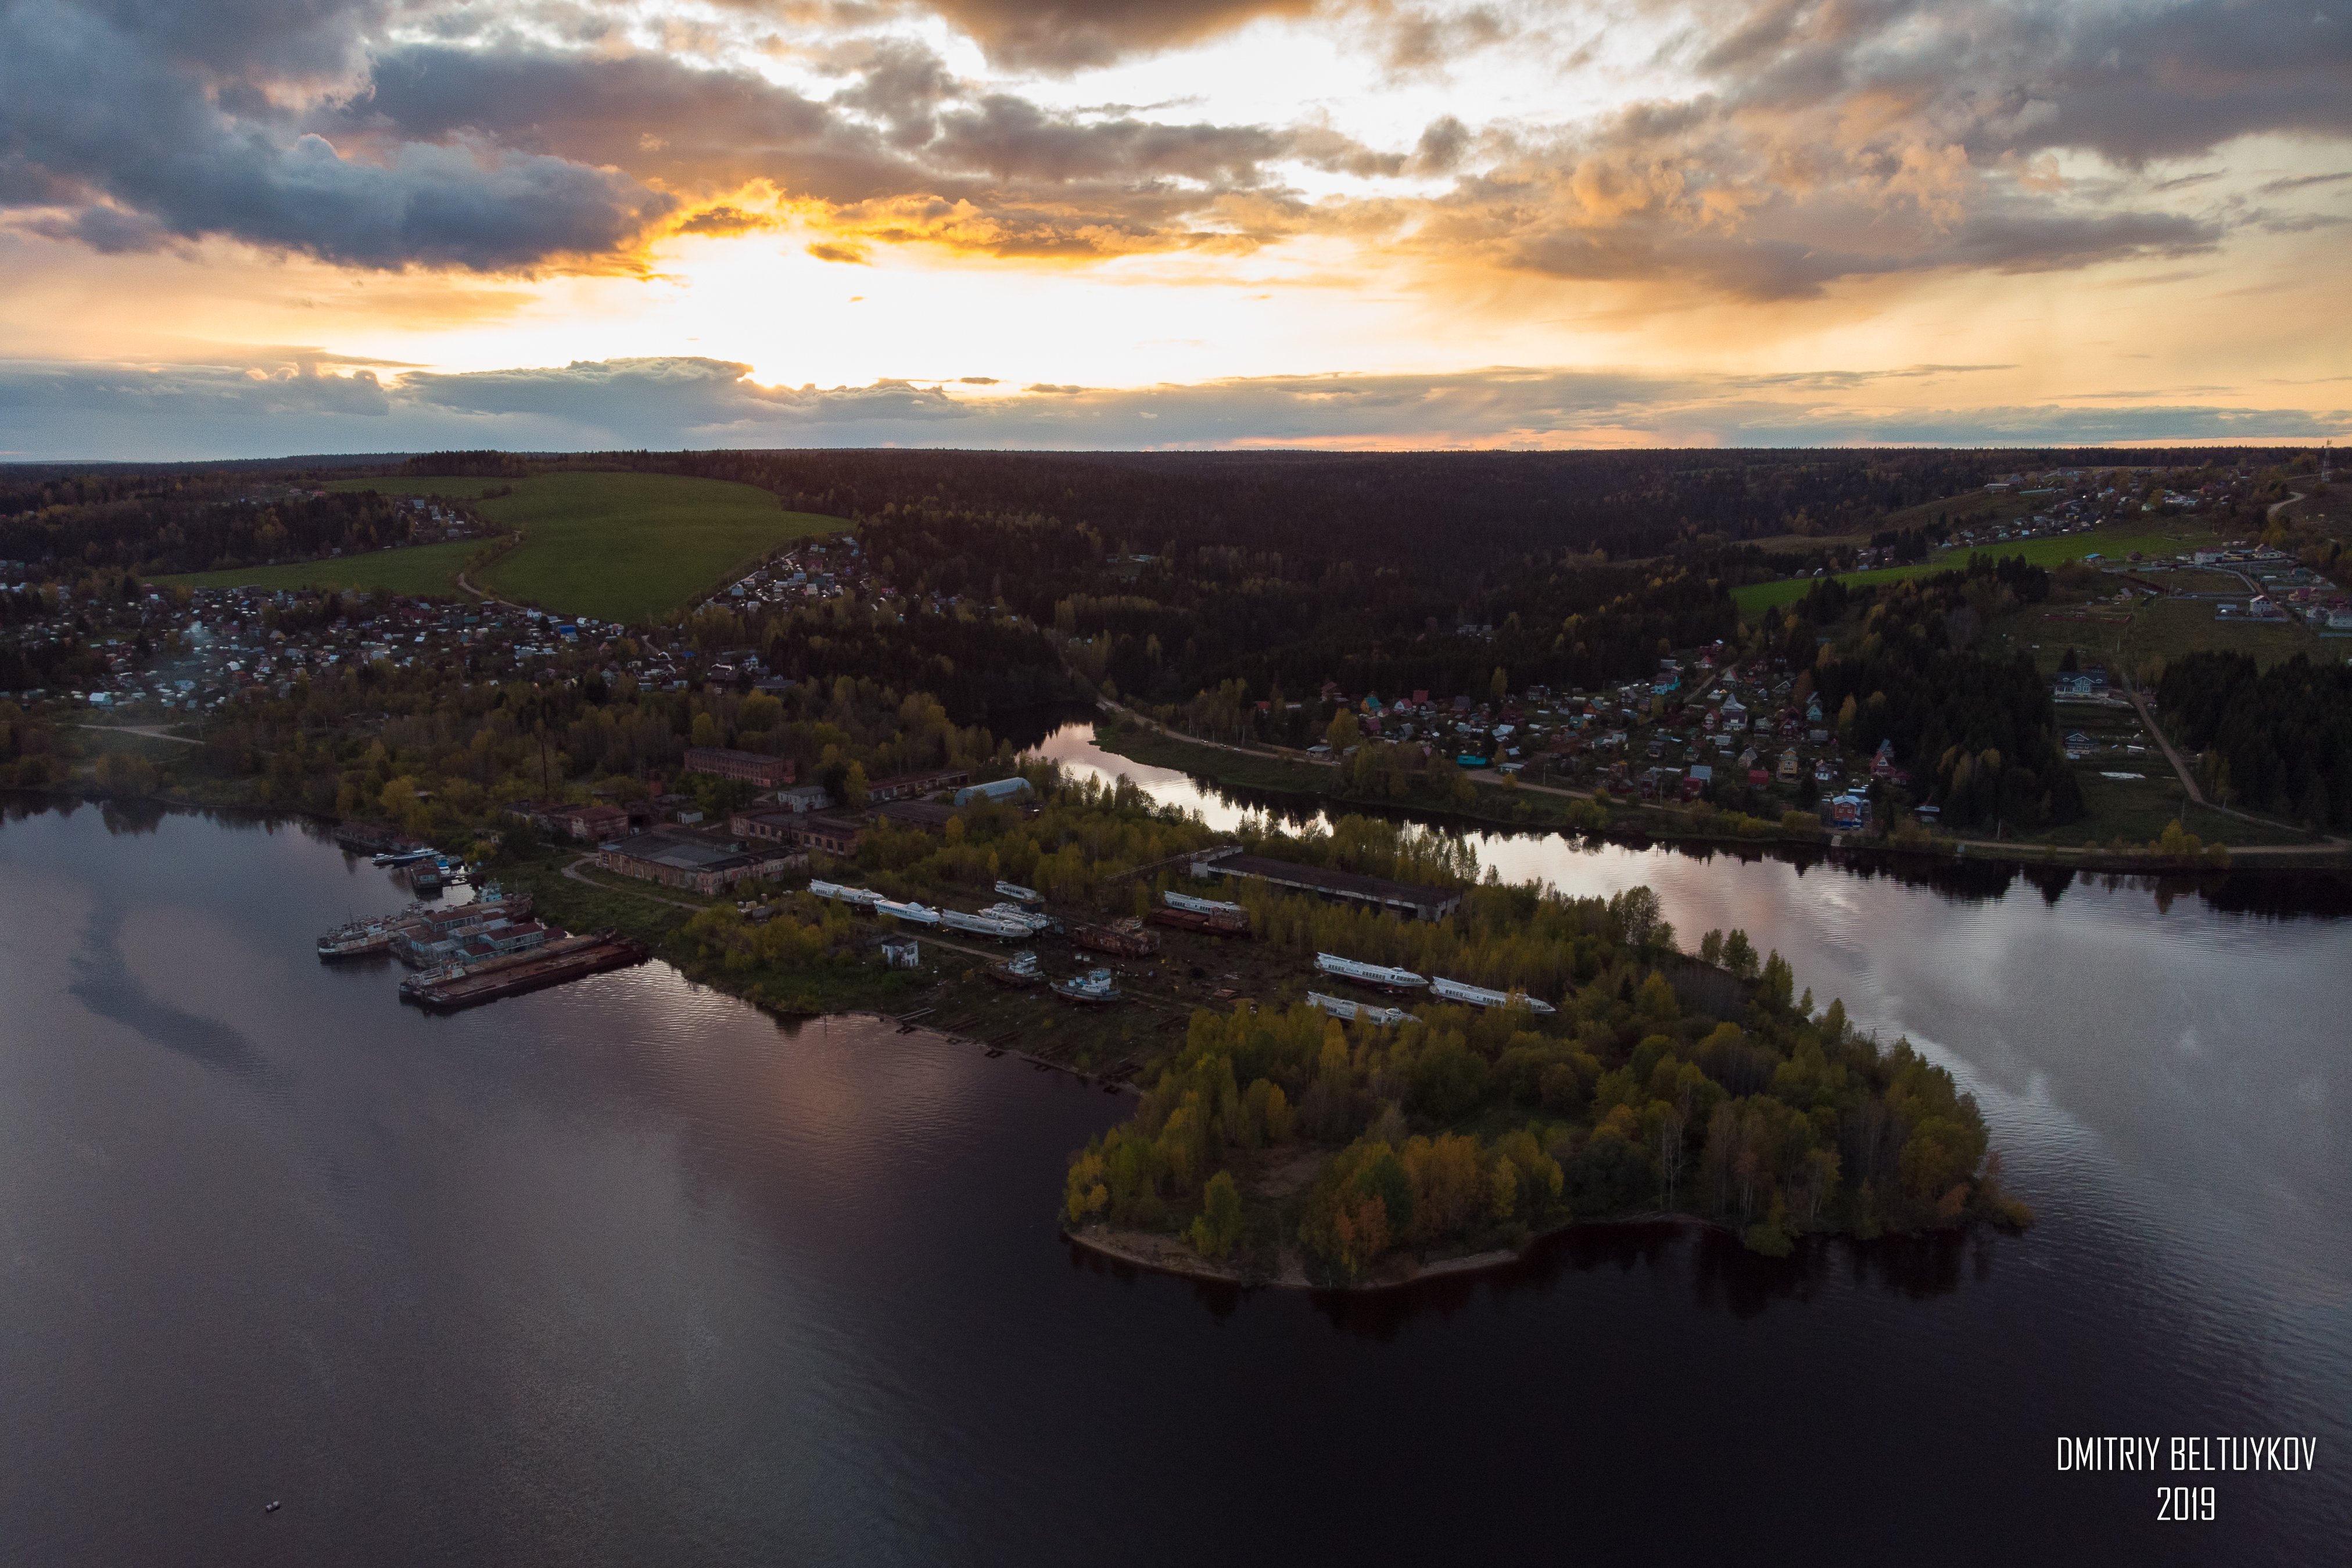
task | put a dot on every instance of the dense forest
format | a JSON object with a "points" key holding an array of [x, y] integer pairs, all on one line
{"points": [[1660, 1084], [1417, 511], [1977, 732], [158, 522], [977, 665], [1191, 620], [2276, 740]]}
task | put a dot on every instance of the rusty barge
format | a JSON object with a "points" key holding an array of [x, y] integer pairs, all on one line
{"points": [[457, 986]]}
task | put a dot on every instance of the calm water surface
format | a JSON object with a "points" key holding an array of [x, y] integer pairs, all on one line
{"points": [[626, 1272]]}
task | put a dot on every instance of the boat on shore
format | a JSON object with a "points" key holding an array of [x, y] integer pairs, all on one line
{"points": [[1018, 971], [1208, 916], [1018, 894], [1120, 938], [865, 897], [986, 924], [1480, 997], [1342, 1008], [1096, 987], [910, 914], [403, 857], [1378, 976]]}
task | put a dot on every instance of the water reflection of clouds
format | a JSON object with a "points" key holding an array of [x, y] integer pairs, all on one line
{"points": [[105, 983], [2124, 1040]]}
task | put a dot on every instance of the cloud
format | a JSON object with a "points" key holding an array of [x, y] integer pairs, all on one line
{"points": [[147, 126], [724, 219], [1785, 146], [852, 254], [2130, 82], [1064, 35], [82, 411]]}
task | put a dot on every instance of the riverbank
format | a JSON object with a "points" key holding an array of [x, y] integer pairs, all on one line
{"points": [[1280, 780]]}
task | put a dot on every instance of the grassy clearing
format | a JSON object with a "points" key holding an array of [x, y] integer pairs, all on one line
{"points": [[2160, 629], [416, 569], [617, 546], [2168, 538], [2167, 628], [2137, 809]]}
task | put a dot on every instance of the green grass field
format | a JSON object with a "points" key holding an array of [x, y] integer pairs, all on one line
{"points": [[617, 546], [2168, 538], [418, 570]]}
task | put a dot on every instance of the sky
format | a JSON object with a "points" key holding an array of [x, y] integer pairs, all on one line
{"points": [[267, 227]]}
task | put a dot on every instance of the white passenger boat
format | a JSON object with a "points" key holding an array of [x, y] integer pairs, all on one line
{"points": [[1029, 920], [1018, 894], [912, 913], [1340, 1007], [1186, 902], [986, 924], [1480, 997], [1374, 974], [835, 890]]}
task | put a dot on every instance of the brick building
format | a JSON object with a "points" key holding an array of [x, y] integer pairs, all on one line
{"points": [[750, 767]]}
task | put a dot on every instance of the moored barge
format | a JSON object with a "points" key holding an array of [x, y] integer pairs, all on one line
{"points": [[458, 986]]}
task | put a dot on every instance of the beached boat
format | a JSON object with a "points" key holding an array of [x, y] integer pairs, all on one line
{"points": [[1018, 894], [1020, 969], [986, 924], [1121, 939], [865, 897], [1480, 997], [1206, 915], [1094, 987], [1175, 900], [1378, 976], [912, 913], [1031, 920], [1340, 1007]]}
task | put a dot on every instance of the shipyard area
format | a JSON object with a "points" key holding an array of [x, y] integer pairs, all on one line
{"points": [[464, 955], [1094, 996]]}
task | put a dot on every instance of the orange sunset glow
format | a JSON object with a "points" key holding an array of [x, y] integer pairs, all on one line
{"points": [[271, 226]]}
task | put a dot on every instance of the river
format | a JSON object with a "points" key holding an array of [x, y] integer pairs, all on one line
{"points": [[627, 1273]]}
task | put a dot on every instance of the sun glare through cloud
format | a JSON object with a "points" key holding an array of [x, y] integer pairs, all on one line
{"points": [[1768, 213]]}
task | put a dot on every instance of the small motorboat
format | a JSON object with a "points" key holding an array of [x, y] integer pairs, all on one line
{"points": [[1019, 971], [272, 1506], [1094, 988]]}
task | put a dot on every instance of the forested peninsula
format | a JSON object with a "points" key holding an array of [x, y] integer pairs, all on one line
{"points": [[1283, 1145]]}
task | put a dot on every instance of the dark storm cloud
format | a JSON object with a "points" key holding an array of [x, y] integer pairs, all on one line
{"points": [[1810, 141], [992, 172], [2130, 82], [136, 117]]}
